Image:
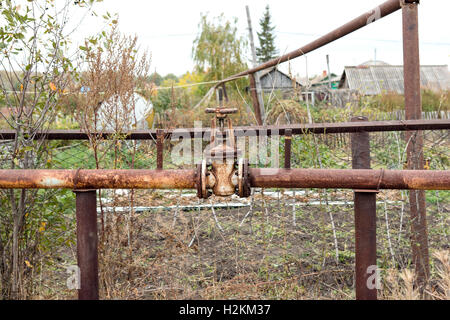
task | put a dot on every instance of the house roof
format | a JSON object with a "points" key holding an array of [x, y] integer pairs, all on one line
{"points": [[324, 80], [375, 79], [374, 63], [265, 72], [319, 79]]}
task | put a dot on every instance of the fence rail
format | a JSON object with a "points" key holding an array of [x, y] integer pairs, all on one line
{"points": [[296, 129]]}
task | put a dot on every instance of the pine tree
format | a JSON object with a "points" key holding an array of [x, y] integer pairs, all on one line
{"points": [[266, 50]]}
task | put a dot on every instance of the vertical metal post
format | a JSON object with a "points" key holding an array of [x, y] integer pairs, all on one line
{"points": [[256, 106], [224, 92], [87, 242], [415, 159], [254, 64], [159, 148], [329, 73], [287, 148], [365, 222]]}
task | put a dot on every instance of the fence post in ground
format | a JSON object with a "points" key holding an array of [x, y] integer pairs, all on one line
{"points": [[254, 94], [159, 148], [414, 139], [287, 148], [87, 243], [365, 222]]}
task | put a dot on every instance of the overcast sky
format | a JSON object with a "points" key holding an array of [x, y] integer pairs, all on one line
{"points": [[167, 29]]}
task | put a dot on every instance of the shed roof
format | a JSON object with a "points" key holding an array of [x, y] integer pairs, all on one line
{"points": [[267, 71], [375, 79]]}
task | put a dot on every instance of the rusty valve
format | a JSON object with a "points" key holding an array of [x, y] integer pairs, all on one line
{"points": [[220, 171], [223, 178]]}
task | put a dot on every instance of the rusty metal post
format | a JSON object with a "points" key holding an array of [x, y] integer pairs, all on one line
{"points": [[254, 93], [159, 148], [365, 221], [414, 139], [87, 255], [287, 148], [224, 92]]}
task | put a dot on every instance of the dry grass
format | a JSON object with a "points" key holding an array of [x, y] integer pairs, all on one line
{"points": [[431, 101], [399, 285], [177, 254]]}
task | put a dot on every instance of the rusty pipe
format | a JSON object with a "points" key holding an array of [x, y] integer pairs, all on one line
{"points": [[266, 178], [98, 179], [350, 179]]}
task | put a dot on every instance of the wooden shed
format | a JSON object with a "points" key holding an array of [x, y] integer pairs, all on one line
{"points": [[274, 79]]}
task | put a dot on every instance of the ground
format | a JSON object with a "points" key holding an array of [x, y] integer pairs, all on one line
{"points": [[201, 254]]}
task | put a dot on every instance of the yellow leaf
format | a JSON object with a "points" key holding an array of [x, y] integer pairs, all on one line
{"points": [[42, 227], [150, 118], [427, 164], [28, 264], [52, 86]]}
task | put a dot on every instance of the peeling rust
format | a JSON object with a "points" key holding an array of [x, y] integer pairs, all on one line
{"points": [[223, 173], [350, 179], [264, 178], [98, 179], [51, 182]]}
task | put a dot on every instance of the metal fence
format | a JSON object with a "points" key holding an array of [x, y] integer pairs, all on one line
{"points": [[394, 152]]}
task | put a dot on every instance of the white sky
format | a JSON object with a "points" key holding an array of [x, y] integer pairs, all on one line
{"points": [[167, 29]]}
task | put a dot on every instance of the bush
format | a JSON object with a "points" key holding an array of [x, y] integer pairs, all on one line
{"points": [[391, 101]]}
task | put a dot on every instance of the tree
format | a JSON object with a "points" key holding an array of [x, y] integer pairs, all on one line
{"points": [[170, 76], [266, 50], [115, 70], [156, 78], [217, 50], [38, 67]]}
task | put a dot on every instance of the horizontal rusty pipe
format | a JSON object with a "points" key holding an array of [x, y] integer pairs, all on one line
{"points": [[185, 179], [297, 129], [98, 179], [379, 12], [221, 110], [350, 179]]}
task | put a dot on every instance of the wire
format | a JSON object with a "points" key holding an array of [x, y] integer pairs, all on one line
{"points": [[157, 88]]}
